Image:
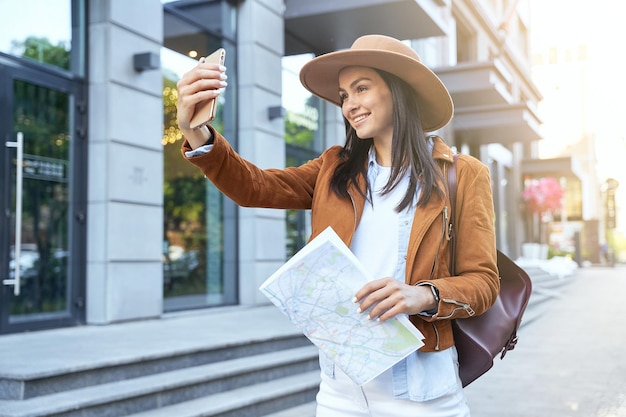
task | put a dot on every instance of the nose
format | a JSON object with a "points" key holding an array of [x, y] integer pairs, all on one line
{"points": [[349, 103]]}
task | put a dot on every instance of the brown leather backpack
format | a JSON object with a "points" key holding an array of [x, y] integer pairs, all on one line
{"points": [[480, 339]]}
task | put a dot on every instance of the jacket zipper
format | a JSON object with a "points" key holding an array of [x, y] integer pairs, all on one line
{"points": [[445, 221], [443, 234], [462, 306]]}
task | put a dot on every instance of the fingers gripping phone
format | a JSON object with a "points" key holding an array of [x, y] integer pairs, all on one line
{"points": [[205, 110]]}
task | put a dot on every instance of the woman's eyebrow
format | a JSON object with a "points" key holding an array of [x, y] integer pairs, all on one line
{"points": [[358, 80]]}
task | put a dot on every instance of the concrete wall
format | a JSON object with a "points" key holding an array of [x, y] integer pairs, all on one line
{"points": [[125, 197]]}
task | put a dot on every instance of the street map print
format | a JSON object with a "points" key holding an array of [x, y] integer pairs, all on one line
{"points": [[315, 288]]}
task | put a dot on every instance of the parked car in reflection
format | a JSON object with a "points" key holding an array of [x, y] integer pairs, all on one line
{"points": [[178, 264], [30, 258]]}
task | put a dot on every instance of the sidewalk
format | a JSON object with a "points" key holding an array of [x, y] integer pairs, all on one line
{"points": [[569, 362]]}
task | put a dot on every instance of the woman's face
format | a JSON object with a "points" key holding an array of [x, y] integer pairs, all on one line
{"points": [[366, 103]]}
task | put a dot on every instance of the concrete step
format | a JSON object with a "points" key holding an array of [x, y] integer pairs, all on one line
{"points": [[280, 396], [65, 377], [538, 275], [554, 282], [162, 389], [543, 292]]}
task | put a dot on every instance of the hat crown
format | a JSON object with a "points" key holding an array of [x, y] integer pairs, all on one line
{"points": [[384, 43]]}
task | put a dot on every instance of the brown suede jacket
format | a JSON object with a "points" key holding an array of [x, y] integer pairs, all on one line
{"points": [[471, 292]]}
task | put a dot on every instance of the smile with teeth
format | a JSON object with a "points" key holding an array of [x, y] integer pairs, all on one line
{"points": [[357, 119]]}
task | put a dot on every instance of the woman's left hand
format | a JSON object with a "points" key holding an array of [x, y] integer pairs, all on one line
{"points": [[388, 297]]}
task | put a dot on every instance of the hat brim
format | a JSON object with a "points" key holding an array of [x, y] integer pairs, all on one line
{"points": [[321, 77]]}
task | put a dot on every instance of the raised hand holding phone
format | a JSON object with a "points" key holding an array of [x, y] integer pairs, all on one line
{"points": [[204, 111]]}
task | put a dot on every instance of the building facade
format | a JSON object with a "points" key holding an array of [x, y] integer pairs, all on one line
{"points": [[105, 222]]}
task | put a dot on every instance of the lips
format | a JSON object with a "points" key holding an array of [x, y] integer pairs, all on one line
{"points": [[360, 118]]}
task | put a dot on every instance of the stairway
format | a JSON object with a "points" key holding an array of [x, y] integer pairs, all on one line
{"points": [[546, 287], [275, 376]]}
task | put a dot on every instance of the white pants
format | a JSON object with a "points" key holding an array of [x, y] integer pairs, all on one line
{"points": [[340, 397]]}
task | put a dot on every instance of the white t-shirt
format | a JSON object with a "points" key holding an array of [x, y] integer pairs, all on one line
{"points": [[375, 241]]}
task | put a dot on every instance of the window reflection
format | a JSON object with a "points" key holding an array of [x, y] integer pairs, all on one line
{"points": [[199, 239], [303, 136], [193, 210], [40, 30], [212, 16], [43, 116], [302, 124]]}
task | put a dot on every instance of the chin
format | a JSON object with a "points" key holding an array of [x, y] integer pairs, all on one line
{"points": [[362, 135]]}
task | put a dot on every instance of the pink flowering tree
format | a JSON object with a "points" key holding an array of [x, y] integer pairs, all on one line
{"points": [[542, 198]]}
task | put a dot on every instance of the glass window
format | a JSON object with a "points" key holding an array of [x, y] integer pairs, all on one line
{"points": [[302, 124], [44, 31], [573, 199], [217, 17], [303, 135], [188, 39], [199, 223], [193, 210]]}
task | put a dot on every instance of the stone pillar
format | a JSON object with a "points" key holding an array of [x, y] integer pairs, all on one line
{"points": [[125, 197], [260, 140]]}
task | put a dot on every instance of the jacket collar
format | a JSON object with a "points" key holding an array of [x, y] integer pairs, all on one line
{"points": [[441, 151]]}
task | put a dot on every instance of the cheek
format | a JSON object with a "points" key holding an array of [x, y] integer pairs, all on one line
{"points": [[387, 114]]}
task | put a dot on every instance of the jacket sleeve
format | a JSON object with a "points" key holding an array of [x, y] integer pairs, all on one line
{"points": [[476, 285], [250, 186]]}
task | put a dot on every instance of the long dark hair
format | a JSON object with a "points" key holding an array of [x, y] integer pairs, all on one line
{"points": [[409, 151]]}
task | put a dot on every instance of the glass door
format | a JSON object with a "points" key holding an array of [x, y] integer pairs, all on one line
{"points": [[42, 194]]}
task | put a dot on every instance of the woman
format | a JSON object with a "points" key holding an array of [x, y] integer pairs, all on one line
{"points": [[384, 194]]}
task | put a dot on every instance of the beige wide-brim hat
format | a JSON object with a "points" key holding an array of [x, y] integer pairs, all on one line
{"points": [[321, 75]]}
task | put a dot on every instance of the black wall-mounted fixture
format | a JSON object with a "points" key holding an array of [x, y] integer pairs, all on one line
{"points": [[276, 112], [146, 61]]}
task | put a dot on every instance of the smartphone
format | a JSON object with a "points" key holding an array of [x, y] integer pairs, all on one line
{"points": [[205, 110]]}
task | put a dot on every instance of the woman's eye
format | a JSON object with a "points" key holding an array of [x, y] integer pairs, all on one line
{"points": [[343, 97], [361, 88]]}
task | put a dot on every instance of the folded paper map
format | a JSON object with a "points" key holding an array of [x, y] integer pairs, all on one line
{"points": [[315, 288]]}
